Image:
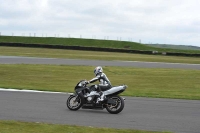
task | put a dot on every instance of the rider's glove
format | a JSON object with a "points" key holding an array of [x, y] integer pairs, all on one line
{"points": [[87, 82]]}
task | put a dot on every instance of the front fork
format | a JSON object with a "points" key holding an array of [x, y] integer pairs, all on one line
{"points": [[76, 99], [74, 95]]}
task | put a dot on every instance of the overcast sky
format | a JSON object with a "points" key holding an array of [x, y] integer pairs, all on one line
{"points": [[151, 21]]}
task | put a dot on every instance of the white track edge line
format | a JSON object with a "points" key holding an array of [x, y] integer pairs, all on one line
{"points": [[35, 91]]}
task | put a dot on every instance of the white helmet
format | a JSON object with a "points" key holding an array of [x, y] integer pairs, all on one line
{"points": [[98, 70]]}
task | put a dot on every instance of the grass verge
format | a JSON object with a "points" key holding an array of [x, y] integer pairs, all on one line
{"points": [[142, 82], [75, 54], [27, 127]]}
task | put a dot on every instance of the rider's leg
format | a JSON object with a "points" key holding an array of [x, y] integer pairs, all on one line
{"points": [[101, 89]]}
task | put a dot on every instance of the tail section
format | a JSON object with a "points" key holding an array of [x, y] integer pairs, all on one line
{"points": [[117, 89]]}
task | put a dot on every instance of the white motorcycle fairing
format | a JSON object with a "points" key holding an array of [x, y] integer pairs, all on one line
{"points": [[115, 89]]}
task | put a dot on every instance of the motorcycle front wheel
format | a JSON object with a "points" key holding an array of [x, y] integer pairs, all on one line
{"points": [[117, 107], [74, 103]]}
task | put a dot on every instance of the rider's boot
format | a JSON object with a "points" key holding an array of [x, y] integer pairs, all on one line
{"points": [[101, 98]]}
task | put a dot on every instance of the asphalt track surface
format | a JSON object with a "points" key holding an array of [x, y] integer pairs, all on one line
{"points": [[180, 116], [55, 61]]}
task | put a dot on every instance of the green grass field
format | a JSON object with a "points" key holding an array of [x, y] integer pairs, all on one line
{"points": [[89, 42], [25, 127], [142, 82], [75, 54]]}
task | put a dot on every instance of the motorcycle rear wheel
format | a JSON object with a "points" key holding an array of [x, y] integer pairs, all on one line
{"points": [[74, 103], [117, 107]]}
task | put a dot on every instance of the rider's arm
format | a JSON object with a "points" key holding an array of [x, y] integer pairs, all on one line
{"points": [[94, 79]]}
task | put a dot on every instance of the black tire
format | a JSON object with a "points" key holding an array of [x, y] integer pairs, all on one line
{"points": [[116, 108], [72, 105]]}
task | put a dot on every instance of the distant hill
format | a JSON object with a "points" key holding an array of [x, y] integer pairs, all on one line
{"points": [[170, 46], [94, 43]]}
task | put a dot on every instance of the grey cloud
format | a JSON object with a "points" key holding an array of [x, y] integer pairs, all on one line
{"points": [[157, 21]]}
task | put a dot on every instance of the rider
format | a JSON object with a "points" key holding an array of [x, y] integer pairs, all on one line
{"points": [[105, 84]]}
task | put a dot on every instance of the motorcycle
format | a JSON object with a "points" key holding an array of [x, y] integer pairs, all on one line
{"points": [[86, 97]]}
